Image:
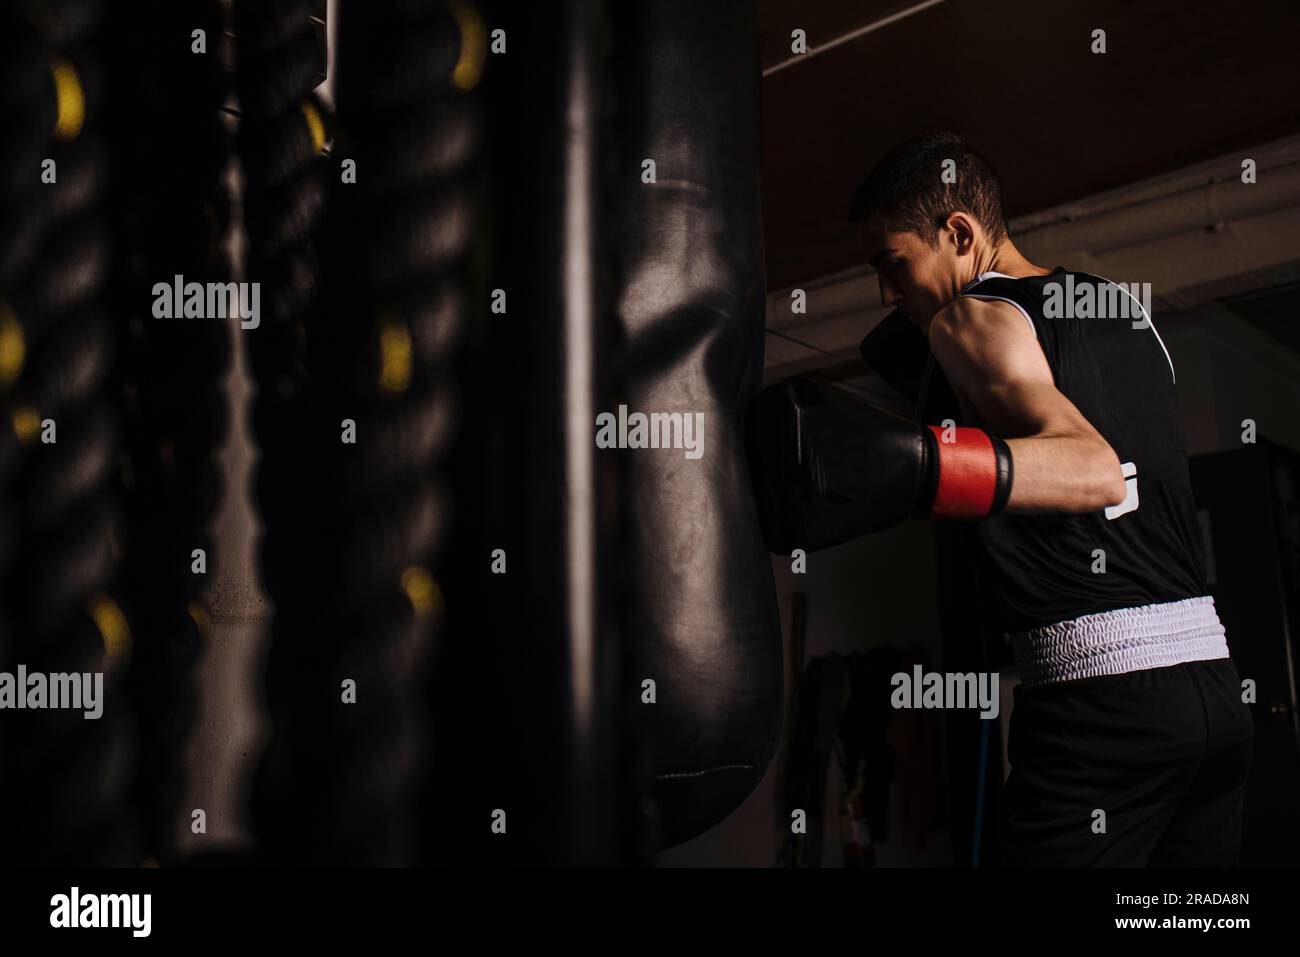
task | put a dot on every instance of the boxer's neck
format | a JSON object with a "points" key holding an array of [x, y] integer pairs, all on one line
{"points": [[1005, 258]]}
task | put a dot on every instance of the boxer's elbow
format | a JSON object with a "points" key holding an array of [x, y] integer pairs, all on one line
{"points": [[1089, 478], [1107, 486]]}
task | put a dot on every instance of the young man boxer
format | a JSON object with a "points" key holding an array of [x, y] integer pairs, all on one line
{"points": [[1129, 742]]}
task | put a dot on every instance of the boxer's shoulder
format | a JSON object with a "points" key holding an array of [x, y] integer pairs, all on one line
{"points": [[975, 339], [968, 315]]}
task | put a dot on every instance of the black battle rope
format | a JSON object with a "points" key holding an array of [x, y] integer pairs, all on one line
{"points": [[66, 779], [283, 131], [171, 214], [342, 781]]}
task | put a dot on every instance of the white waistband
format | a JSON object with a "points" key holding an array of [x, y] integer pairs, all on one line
{"points": [[1120, 641]]}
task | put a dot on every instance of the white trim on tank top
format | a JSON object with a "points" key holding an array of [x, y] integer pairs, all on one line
{"points": [[1001, 275]]}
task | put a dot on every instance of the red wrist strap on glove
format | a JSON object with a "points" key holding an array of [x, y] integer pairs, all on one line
{"points": [[973, 473]]}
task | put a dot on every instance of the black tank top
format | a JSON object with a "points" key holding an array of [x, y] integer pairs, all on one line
{"points": [[1122, 380]]}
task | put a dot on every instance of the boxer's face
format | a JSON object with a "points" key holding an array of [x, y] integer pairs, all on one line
{"points": [[915, 277]]}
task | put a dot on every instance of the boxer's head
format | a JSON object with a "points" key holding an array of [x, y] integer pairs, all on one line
{"points": [[931, 215]]}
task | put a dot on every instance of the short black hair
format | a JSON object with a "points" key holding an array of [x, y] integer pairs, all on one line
{"points": [[906, 188]]}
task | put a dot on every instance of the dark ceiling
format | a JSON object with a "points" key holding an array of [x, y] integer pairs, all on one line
{"points": [[1182, 81]]}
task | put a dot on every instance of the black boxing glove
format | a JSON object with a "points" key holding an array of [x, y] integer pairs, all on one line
{"points": [[828, 468], [896, 350]]}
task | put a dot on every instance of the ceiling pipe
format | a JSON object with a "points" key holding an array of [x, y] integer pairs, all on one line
{"points": [[848, 37], [1209, 206]]}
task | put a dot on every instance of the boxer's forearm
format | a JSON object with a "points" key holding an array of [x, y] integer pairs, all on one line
{"points": [[1064, 473]]}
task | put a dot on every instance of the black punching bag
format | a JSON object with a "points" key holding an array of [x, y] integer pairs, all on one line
{"points": [[701, 617]]}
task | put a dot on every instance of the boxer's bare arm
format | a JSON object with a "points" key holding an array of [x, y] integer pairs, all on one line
{"points": [[991, 356]]}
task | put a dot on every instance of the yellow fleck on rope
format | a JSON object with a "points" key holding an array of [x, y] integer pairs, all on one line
{"points": [[70, 99], [394, 357], [473, 46], [13, 347], [27, 424], [314, 124], [199, 615], [113, 629], [422, 590]]}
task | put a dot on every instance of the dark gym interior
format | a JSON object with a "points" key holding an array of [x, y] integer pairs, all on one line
{"points": [[563, 654]]}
